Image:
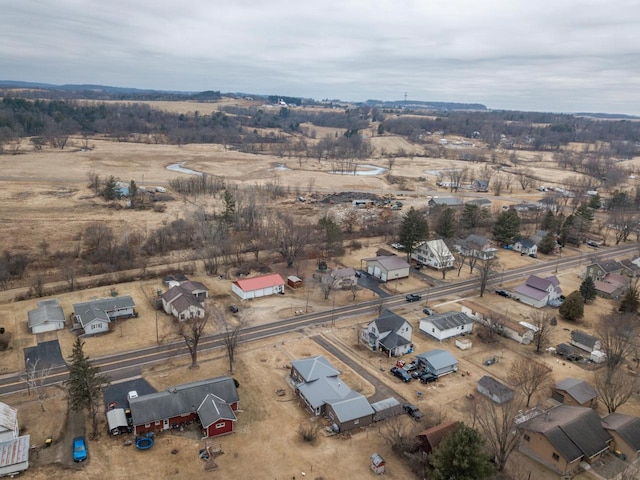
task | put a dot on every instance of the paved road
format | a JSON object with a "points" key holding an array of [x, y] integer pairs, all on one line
{"points": [[127, 364]]}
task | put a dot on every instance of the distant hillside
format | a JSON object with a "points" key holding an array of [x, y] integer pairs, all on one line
{"points": [[608, 116], [417, 104]]}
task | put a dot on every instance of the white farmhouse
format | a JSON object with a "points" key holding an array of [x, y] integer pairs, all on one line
{"points": [[434, 254]]}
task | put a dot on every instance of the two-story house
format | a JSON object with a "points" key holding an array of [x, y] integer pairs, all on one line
{"points": [[538, 292], [389, 333], [434, 254], [476, 246]]}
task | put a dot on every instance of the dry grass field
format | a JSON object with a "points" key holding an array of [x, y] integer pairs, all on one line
{"points": [[44, 195]]}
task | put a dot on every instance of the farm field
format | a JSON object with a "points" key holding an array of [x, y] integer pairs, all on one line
{"points": [[44, 195]]}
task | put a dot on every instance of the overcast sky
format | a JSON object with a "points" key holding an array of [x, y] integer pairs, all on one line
{"points": [[543, 55]]}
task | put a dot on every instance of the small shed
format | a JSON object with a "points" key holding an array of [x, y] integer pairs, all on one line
{"points": [[377, 464], [493, 389], [294, 282], [117, 421], [463, 344], [389, 407]]}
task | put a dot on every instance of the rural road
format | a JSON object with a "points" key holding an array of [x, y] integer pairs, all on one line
{"points": [[126, 364]]}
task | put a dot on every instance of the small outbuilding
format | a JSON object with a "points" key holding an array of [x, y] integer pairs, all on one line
{"points": [[294, 282], [377, 464], [493, 389], [578, 393], [446, 325], [46, 318]]}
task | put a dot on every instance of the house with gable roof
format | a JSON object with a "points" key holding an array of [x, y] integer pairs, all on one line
{"points": [[434, 254], [613, 285], [625, 431], [584, 341], [317, 382], [213, 402], [343, 278], [526, 246], [480, 185], [446, 325], [14, 449], [476, 246], [571, 391], [390, 333], [598, 270], [431, 438], [47, 317], [260, 286], [563, 437], [95, 316], [538, 292], [185, 300]]}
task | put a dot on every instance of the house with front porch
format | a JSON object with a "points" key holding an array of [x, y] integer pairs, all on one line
{"points": [[389, 333], [95, 316], [526, 246]]}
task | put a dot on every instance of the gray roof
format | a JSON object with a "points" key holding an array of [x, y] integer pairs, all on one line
{"points": [[447, 320], [583, 338], [213, 409], [353, 406], [538, 283], [473, 241], [324, 390], [97, 309], [610, 265], [389, 322], [579, 390], [183, 302], [572, 431], [626, 426], [393, 340], [8, 418], [192, 286], [389, 263], [479, 201], [527, 242], [438, 358], [47, 311], [448, 201], [494, 387], [181, 399], [385, 404], [314, 368]]}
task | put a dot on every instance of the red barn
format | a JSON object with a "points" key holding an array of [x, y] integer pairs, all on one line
{"points": [[213, 402]]}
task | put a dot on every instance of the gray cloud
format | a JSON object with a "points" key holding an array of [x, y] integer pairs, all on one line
{"points": [[545, 55]]}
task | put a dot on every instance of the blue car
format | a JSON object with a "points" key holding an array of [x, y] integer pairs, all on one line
{"points": [[79, 449]]}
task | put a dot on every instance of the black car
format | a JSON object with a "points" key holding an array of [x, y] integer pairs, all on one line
{"points": [[413, 297], [428, 377], [503, 293], [413, 411], [234, 309], [401, 374], [428, 311]]}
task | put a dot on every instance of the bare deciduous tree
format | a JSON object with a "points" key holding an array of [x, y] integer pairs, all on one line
{"points": [[191, 330], [497, 426], [617, 332], [35, 377], [291, 238], [614, 387], [529, 377], [541, 320], [230, 330], [487, 269]]}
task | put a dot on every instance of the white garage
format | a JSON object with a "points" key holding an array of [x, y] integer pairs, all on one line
{"points": [[258, 286], [387, 268]]}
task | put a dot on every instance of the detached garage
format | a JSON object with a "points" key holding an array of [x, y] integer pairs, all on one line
{"points": [[258, 286], [387, 268], [439, 362]]}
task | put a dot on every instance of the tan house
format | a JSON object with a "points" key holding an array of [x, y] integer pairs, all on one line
{"points": [[387, 268], [563, 437], [625, 431]]}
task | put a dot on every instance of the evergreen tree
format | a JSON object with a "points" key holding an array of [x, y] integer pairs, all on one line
{"points": [[595, 201], [133, 193], [331, 235], [630, 300], [446, 224], [109, 192], [472, 216], [573, 307], [85, 384], [461, 456], [547, 244], [229, 207], [549, 222], [588, 289], [507, 226], [414, 229]]}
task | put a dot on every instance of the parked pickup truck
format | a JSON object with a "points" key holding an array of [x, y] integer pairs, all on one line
{"points": [[413, 411]]}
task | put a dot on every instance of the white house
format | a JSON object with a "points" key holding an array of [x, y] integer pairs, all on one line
{"points": [[389, 333], [387, 268], [538, 292], [526, 246], [182, 304], [493, 389], [46, 318], [8, 422], [508, 327], [258, 286], [584, 341], [14, 449], [446, 325], [343, 278], [434, 254], [439, 362], [96, 315], [476, 246]]}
